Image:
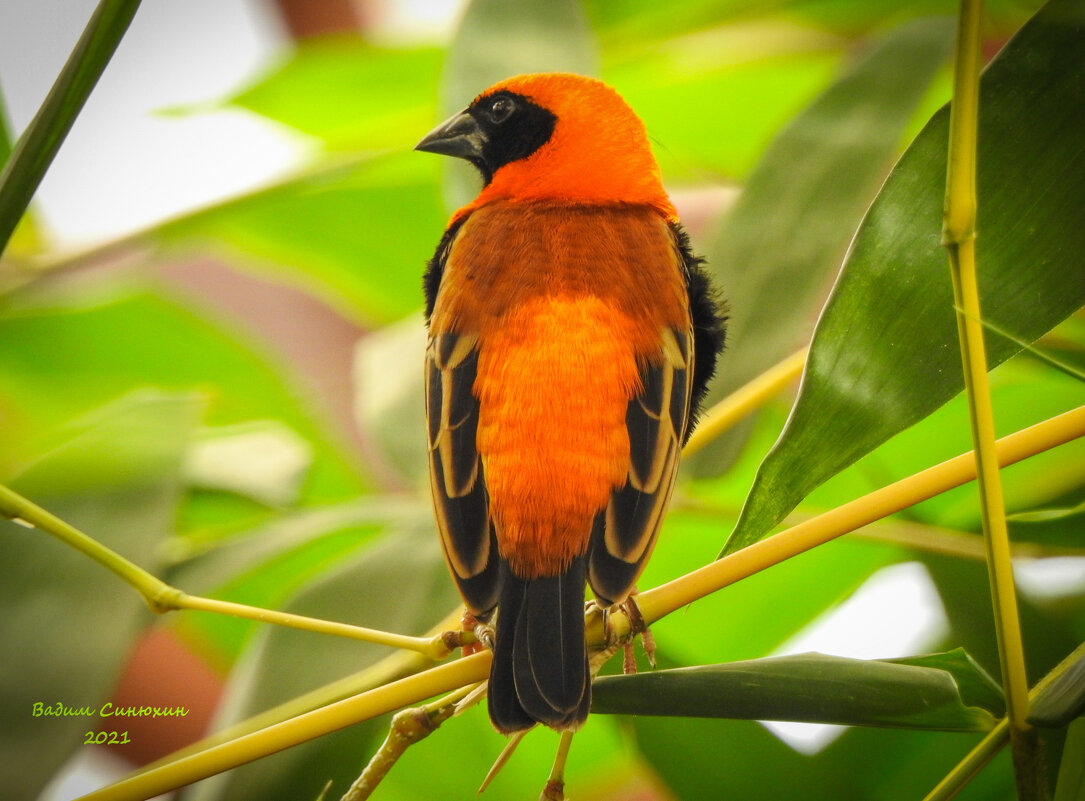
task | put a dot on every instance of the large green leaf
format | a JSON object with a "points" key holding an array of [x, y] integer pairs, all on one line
{"points": [[64, 350], [350, 234], [65, 621], [812, 688], [885, 350], [704, 758], [351, 94], [792, 223]]}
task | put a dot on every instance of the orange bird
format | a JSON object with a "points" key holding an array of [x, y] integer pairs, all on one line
{"points": [[571, 336]]}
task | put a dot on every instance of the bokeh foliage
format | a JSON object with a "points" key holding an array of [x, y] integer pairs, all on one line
{"points": [[803, 105]]}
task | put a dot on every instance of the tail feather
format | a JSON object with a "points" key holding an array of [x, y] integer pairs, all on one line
{"points": [[540, 667]]}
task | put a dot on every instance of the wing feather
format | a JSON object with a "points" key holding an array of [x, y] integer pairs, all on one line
{"points": [[625, 532], [456, 477]]}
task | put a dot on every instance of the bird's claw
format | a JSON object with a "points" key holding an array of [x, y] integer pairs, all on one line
{"points": [[621, 636], [483, 633]]}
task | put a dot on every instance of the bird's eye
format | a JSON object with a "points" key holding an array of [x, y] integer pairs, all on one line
{"points": [[501, 109]]}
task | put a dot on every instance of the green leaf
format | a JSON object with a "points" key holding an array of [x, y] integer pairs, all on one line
{"points": [[41, 140], [975, 685], [704, 758], [1059, 529], [885, 352], [351, 94], [497, 39], [348, 233], [65, 622], [770, 86], [1063, 699], [812, 688], [793, 221], [64, 351], [1061, 515]]}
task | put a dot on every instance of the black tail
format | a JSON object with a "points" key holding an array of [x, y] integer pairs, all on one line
{"points": [[540, 667]]}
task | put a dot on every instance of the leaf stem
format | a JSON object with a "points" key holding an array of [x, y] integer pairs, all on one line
{"points": [[959, 238], [40, 142], [161, 597]]}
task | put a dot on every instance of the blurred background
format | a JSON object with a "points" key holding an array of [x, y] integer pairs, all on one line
{"points": [[210, 360]]}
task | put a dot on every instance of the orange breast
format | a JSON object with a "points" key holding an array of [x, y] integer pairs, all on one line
{"points": [[566, 300]]}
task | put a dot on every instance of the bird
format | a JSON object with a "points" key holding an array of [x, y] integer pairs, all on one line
{"points": [[571, 337]]}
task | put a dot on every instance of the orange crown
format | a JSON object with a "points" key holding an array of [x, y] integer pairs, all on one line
{"points": [[598, 153]]}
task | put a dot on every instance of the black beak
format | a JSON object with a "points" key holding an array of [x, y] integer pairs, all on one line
{"points": [[459, 136]]}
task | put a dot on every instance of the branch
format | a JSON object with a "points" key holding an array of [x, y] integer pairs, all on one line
{"points": [[161, 597], [653, 604]]}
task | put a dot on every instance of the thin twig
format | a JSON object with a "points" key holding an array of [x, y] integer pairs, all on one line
{"points": [[162, 598], [662, 600], [408, 727]]}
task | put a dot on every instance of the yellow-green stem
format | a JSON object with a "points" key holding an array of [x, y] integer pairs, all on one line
{"points": [[296, 730], [972, 764], [744, 400], [161, 597], [662, 600], [959, 237], [432, 647], [995, 739], [555, 784], [21, 510]]}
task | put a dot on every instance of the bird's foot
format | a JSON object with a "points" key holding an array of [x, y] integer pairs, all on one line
{"points": [[483, 634], [636, 626], [622, 622]]}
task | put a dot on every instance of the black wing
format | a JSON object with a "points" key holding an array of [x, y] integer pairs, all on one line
{"points": [[459, 489], [625, 532]]}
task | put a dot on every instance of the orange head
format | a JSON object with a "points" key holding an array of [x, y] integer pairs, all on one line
{"points": [[554, 136]]}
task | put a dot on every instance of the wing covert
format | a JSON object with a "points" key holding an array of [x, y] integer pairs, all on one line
{"points": [[624, 533], [456, 477]]}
